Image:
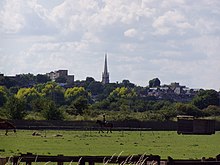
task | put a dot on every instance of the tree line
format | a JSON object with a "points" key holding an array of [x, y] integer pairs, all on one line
{"points": [[37, 98]]}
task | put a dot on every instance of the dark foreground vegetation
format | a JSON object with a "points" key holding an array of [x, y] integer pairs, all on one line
{"points": [[37, 98], [92, 160]]}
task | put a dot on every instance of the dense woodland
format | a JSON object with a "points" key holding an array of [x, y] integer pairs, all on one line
{"points": [[37, 98]]}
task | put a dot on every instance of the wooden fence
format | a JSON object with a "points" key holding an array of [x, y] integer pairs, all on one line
{"points": [[91, 160], [85, 125], [29, 158]]}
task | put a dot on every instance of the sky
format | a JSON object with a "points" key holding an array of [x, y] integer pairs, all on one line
{"points": [[173, 40]]}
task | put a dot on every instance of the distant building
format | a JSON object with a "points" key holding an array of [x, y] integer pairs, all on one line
{"points": [[174, 91], [105, 74], [61, 74], [177, 88]]}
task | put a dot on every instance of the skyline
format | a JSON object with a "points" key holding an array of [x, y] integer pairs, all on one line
{"points": [[175, 41]]}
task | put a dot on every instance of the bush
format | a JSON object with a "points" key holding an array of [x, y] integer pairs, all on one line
{"points": [[3, 114], [15, 108], [34, 116], [188, 109], [51, 112], [212, 110]]}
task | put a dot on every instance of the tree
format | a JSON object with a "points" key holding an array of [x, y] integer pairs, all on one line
{"points": [[3, 95], [39, 88], [169, 112], [89, 79], [122, 98], [157, 105], [95, 88], [106, 90], [26, 80], [81, 103], [154, 83], [40, 78], [75, 92], [13, 90], [51, 112], [212, 110], [84, 83], [122, 93], [101, 105], [8, 82], [38, 104], [188, 109], [139, 105], [15, 108], [127, 84], [204, 98], [28, 95], [54, 92]]}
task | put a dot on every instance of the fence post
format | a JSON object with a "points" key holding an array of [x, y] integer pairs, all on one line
{"points": [[28, 163], [169, 161], [218, 157], [60, 163], [3, 161], [15, 161], [28, 154], [91, 162], [82, 162]]}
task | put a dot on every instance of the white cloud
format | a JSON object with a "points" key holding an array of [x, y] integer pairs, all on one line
{"points": [[126, 47], [90, 37], [130, 33], [11, 17], [207, 25], [171, 21], [172, 40], [208, 45]]}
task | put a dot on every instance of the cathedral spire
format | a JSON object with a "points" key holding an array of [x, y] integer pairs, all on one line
{"points": [[105, 74]]}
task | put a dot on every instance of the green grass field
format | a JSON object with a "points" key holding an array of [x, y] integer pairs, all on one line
{"points": [[80, 143]]}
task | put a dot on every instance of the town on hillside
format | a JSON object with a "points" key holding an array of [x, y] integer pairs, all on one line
{"points": [[174, 91], [57, 95]]}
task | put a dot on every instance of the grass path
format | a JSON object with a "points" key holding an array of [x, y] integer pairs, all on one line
{"points": [[81, 143]]}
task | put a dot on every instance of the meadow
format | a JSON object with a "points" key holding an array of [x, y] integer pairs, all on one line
{"points": [[92, 143]]}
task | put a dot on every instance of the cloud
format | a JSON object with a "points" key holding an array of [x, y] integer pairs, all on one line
{"points": [[171, 22], [130, 33], [11, 17], [172, 40], [208, 45]]}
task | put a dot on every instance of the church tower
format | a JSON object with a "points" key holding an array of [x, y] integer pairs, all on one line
{"points": [[105, 74]]}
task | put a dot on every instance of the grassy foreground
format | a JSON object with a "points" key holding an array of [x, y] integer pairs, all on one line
{"points": [[81, 143]]}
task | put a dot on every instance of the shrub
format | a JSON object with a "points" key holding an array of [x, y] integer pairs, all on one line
{"points": [[212, 110], [51, 112]]}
